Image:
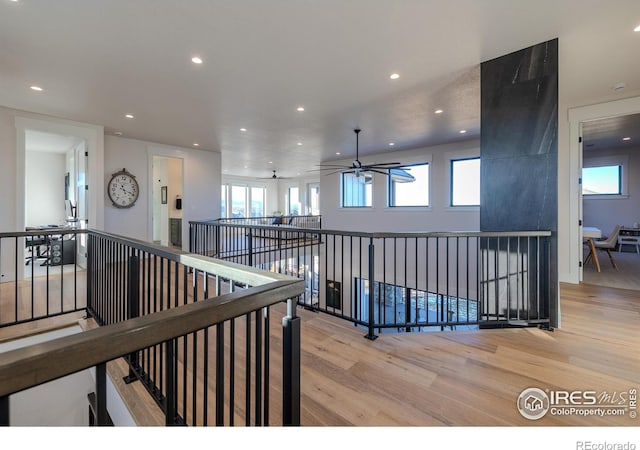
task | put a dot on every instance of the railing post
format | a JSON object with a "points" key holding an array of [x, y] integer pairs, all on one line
{"points": [[102, 416], [170, 376], [370, 334], [291, 366], [133, 310], [4, 411], [90, 273], [250, 247], [216, 244]]}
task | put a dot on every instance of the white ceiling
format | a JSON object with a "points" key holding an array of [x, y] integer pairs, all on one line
{"points": [[98, 60], [38, 141]]}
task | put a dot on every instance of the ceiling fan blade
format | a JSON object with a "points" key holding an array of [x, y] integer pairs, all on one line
{"points": [[384, 164], [338, 171], [331, 165], [377, 171]]}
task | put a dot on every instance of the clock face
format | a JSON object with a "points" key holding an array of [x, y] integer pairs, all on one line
{"points": [[123, 189]]}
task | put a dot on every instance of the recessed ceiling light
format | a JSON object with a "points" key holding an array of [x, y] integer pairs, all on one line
{"points": [[195, 144], [243, 129], [463, 131], [196, 60], [337, 153], [270, 162], [391, 144], [637, 29], [438, 111], [626, 138], [245, 167], [129, 116], [394, 76], [299, 143], [118, 133], [36, 88], [300, 108]]}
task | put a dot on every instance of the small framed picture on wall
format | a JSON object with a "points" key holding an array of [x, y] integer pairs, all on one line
{"points": [[163, 195]]}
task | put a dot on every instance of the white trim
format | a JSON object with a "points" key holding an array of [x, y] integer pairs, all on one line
{"points": [[92, 134]]}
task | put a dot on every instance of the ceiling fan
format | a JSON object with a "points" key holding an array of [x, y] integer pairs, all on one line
{"points": [[359, 168], [274, 177]]}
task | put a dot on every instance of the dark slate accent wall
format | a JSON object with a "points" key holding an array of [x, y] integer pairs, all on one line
{"points": [[519, 146]]}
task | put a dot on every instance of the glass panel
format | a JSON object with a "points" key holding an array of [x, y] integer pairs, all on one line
{"points": [[257, 201], [223, 200], [313, 207], [357, 190], [294, 201], [238, 201], [603, 180], [465, 182], [409, 186]]}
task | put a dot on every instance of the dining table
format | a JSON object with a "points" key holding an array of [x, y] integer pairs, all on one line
{"points": [[589, 234]]}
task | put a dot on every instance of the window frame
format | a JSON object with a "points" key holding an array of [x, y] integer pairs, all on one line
{"points": [[391, 187], [621, 161], [452, 162], [299, 202], [342, 191]]}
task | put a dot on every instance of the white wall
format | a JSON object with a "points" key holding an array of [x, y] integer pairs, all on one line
{"points": [[200, 197], [606, 213], [44, 189], [439, 216]]}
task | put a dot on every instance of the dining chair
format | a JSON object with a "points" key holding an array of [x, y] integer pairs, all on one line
{"points": [[608, 244]]}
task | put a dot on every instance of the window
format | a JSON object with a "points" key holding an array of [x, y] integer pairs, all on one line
{"points": [[357, 190], [602, 180], [257, 201], [409, 185], [313, 194], [465, 182], [238, 201], [223, 200], [294, 201]]}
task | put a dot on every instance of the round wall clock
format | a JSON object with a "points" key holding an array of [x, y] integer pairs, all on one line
{"points": [[123, 189]]}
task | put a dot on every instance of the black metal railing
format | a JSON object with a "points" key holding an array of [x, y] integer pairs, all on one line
{"points": [[399, 281], [130, 278], [309, 221], [196, 332], [41, 274]]}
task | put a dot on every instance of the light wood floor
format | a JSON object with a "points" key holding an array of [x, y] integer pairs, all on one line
{"points": [[461, 378], [624, 276]]}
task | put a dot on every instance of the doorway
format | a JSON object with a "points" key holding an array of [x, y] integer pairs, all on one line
{"points": [[88, 175], [610, 170], [581, 119], [55, 184], [168, 189]]}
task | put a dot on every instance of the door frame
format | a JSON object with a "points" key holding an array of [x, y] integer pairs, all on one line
{"points": [[577, 116], [93, 136]]}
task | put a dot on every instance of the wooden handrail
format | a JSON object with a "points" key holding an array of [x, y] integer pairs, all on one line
{"points": [[383, 234], [31, 366]]}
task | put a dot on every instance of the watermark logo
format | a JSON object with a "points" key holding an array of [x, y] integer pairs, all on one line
{"points": [[533, 403]]}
